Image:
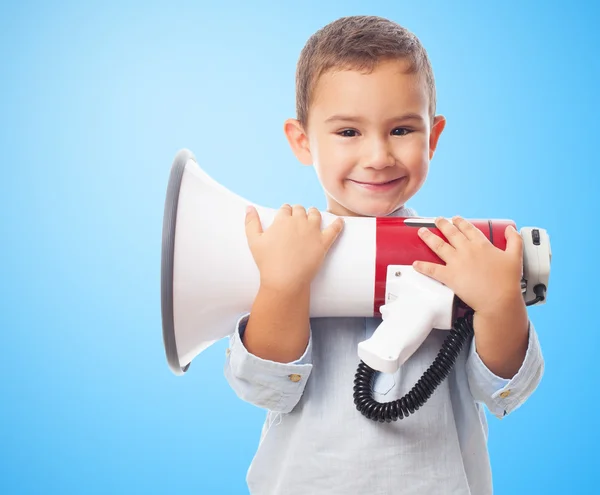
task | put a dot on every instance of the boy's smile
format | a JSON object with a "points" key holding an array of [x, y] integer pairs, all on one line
{"points": [[379, 186], [369, 137]]}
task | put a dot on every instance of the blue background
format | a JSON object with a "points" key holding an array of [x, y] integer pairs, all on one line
{"points": [[96, 98]]}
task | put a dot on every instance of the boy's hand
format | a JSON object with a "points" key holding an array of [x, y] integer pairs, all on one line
{"points": [[291, 251], [486, 278]]}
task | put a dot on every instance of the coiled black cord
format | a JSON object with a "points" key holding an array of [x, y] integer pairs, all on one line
{"points": [[436, 374], [420, 393]]}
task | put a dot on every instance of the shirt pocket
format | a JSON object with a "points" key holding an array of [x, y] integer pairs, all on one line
{"points": [[383, 383]]}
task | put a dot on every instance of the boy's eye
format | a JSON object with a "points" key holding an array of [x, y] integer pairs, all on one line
{"points": [[400, 131]]}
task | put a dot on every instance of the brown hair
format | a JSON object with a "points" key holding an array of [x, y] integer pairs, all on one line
{"points": [[359, 43]]}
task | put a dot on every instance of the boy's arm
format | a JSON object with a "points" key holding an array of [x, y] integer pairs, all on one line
{"points": [[504, 395], [278, 328], [488, 280], [269, 357]]}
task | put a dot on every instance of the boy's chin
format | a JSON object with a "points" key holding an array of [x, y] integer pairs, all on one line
{"points": [[364, 210]]}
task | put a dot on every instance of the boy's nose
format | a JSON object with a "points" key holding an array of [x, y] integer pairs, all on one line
{"points": [[380, 156]]}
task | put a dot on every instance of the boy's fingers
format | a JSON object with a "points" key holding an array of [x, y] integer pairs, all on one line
{"points": [[314, 215], [252, 223], [432, 270], [514, 241], [299, 211], [284, 211], [331, 233], [468, 229]]}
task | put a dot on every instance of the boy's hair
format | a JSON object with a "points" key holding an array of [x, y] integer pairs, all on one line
{"points": [[358, 43]]}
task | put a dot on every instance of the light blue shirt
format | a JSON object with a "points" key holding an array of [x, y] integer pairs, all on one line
{"points": [[315, 442]]}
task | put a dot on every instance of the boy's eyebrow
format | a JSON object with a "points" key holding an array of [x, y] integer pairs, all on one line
{"points": [[352, 118]]}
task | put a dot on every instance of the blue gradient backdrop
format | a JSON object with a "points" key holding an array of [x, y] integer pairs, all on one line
{"points": [[96, 98]]}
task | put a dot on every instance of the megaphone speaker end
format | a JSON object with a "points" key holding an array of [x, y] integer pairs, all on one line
{"points": [[167, 259]]}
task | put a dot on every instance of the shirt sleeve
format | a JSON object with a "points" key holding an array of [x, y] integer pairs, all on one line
{"points": [[501, 395], [266, 384]]}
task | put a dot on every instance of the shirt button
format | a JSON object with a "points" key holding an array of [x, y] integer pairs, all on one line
{"points": [[227, 351], [295, 378], [505, 394]]}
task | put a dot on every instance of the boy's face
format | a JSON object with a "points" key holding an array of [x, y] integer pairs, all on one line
{"points": [[369, 137]]}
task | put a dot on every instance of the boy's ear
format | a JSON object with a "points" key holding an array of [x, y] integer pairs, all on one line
{"points": [[298, 141], [439, 122]]}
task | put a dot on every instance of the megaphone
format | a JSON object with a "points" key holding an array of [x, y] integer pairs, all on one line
{"points": [[209, 278]]}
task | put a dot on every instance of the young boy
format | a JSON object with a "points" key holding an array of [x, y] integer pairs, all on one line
{"points": [[366, 121]]}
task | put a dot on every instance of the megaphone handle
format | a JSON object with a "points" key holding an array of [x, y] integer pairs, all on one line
{"points": [[425, 386], [404, 327], [418, 304]]}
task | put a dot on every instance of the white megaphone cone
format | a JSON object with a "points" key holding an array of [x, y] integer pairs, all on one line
{"points": [[209, 278]]}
